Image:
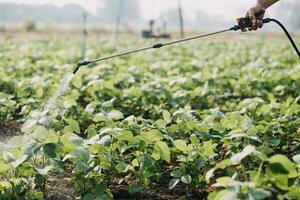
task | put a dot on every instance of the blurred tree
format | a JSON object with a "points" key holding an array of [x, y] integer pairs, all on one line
{"points": [[70, 13], [110, 9], [29, 25]]}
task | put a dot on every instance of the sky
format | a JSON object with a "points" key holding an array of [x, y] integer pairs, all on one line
{"points": [[151, 9]]}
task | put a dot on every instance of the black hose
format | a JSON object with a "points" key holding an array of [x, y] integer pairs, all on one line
{"points": [[267, 20]]}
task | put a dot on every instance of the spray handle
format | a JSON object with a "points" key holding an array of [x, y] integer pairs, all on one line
{"points": [[245, 22]]}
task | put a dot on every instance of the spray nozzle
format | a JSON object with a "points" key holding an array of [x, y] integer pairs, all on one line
{"points": [[84, 63]]}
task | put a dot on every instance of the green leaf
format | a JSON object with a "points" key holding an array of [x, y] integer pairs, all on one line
{"points": [[293, 109], [76, 81], [51, 138], [100, 189], [125, 136], [161, 123], [50, 150], [4, 167], [199, 163], [173, 183], [191, 125], [280, 180], [105, 140], [71, 141], [5, 185], [194, 140], [166, 116], [288, 166], [187, 179], [115, 115], [135, 163], [89, 196], [99, 118], [109, 103], [294, 193], [266, 108], [146, 160], [122, 167], [163, 149], [133, 189], [208, 148], [233, 121], [174, 128], [81, 154], [39, 91], [280, 169], [227, 195], [237, 158], [224, 181], [153, 135], [40, 133], [91, 130], [74, 125], [209, 174], [203, 128], [81, 166], [224, 163], [181, 145], [259, 194], [155, 156], [32, 149], [176, 173]]}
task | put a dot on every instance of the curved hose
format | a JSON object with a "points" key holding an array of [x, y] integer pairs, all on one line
{"points": [[267, 20]]}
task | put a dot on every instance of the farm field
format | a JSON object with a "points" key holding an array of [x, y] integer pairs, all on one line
{"points": [[210, 119]]}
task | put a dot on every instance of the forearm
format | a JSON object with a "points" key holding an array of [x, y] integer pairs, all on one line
{"points": [[266, 3]]}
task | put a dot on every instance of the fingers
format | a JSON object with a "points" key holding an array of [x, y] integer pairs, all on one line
{"points": [[256, 21], [246, 29], [260, 23], [252, 16]]}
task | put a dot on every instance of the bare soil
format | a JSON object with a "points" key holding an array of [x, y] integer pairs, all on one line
{"points": [[8, 129], [62, 189]]}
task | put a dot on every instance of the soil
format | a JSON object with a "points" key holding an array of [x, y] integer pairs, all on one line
{"points": [[154, 191], [159, 190], [62, 189], [8, 129]]}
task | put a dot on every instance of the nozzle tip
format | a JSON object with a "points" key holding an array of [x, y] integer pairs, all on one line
{"points": [[80, 65], [75, 70]]}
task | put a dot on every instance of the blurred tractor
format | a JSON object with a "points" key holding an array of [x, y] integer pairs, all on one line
{"points": [[153, 34]]}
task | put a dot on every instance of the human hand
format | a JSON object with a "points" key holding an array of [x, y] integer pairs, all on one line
{"points": [[256, 14]]}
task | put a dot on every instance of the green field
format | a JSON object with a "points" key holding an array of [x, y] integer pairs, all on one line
{"points": [[209, 119]]}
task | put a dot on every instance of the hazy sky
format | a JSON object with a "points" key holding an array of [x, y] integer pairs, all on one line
{"points": [[152, 8]]}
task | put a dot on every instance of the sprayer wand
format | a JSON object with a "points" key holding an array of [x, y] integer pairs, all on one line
{"points": [[243, 23]]}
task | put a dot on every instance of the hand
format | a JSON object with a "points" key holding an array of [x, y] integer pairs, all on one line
{"points": [[256, 20]]}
